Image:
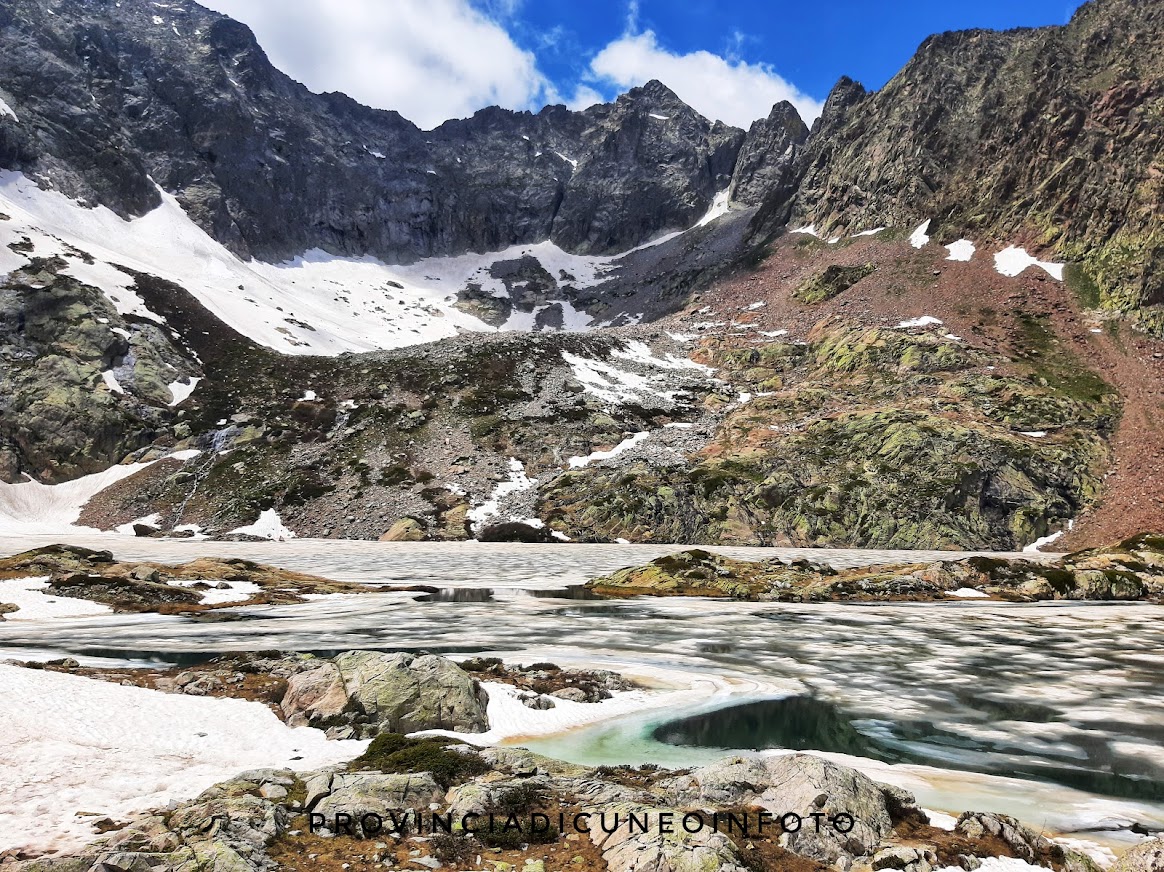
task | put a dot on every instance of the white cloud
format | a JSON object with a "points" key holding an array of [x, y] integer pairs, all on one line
{"points": [[733, 91], [428, 59], [431, 60]]}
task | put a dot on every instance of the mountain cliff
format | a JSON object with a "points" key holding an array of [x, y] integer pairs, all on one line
{"points": [[274, 301], [1050, 135], [115, 98]]}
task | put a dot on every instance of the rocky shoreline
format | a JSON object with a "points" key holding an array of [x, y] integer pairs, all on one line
{"points": [[791, 811], [1131, 570], [202, 585]]}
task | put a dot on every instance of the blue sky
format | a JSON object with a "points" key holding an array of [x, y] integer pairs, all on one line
{"points": [[810, 44], [730, 59]]}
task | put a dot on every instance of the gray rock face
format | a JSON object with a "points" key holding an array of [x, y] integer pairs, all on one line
{"points": [[989, 133], [317, 696], [656, 851], [357, 793], [765, 165], [1145, 857], [403, 693], [797, 783], [59, 416], [108, 98]]}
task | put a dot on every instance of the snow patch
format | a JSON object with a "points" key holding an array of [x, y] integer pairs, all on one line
{"points": [[872, 232], [1038, 544], [35, 605], [153, 520], [919, 238], [624, 445], [491, 508], [181, 390], [6, 110], [809, 229], [719, 207], [268, 526], [962, 250], [1014, 260], [923, 321], [75, 744], [111, 382], [34, 508], [968, 593]]}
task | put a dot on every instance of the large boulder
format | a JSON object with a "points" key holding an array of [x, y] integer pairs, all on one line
{"points": [[404, 530], [316, 697], [658, 851], [802, 784], [1145, 857], [361, 793], [403, 693]]}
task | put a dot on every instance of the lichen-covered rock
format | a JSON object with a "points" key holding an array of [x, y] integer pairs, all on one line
{"points": [[404, 692], [404, 530], [1148, 856], [356, 793], [315, 697], [657, 851], [798, 783]]}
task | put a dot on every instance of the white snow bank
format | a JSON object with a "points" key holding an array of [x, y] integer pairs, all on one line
{"points": [[34, 508], [510, 718], [919, 238], [940, 819], [234, 592], [1014, 260], [609, 383], [872, 232], [962, 250], [313, 304], [268, 526], [1038, 544], [719, 207], [809, 229], [35, 605], [74, 744], [998, 864], [968, 593], [640, 353], [624, 445], [6, 110], [180, 390], [923, 321]]}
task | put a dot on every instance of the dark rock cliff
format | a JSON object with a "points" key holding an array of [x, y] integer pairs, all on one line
{"points": [[111, 95]]}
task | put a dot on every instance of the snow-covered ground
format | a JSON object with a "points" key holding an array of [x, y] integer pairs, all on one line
{"points": [[316, 303], [76, 747], [34, 605], [31, 507]]}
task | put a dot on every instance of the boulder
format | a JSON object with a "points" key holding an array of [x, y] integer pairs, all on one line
{"points": [[404, 692], [360, 793], [1145, 857], [316, 697], [656, 851], [797, 783], [404, 530]]}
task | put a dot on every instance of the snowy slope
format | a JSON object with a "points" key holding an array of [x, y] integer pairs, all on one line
{"points": [[314, 304]]}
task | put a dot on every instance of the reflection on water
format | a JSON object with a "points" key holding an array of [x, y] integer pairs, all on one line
{"points": [[803, 723], [798, 723]]}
